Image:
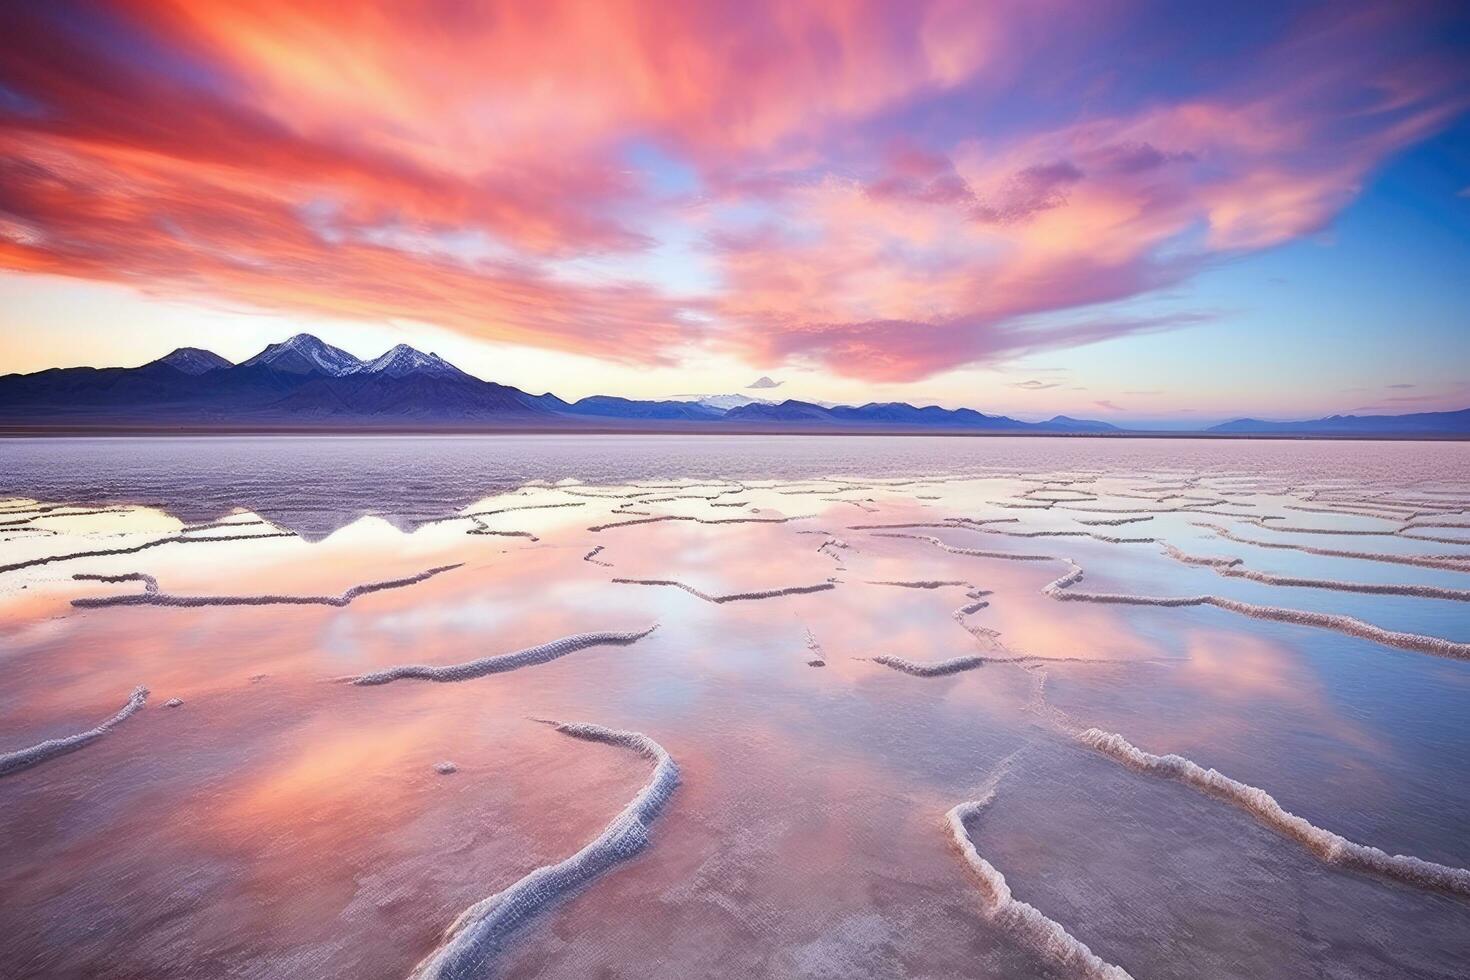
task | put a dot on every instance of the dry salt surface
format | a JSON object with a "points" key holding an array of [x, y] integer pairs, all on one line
{"points": [[511, 707]]}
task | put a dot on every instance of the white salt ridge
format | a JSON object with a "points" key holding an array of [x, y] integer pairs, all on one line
{"points": [[1185, 509], [1032, 927], [12, 762], [971, 552], [1324, 844], [1417, 642], [1110, 539], [1071, 578], [1345, 511], [1434, 538], [1231, 567], [152, 597], [481, 931], [936, 583], [1264, 524], [1454, 563], [502, 662], [731, 597], [1114, 521]]}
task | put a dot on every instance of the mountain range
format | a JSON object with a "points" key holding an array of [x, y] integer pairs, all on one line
{"points": [[306, 383], [1418, 423]]}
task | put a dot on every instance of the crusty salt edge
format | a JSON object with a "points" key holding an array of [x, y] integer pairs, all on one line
{"points": [[81, 512], [502, 662], [480, 932], [1433, 539], [972, 552], [700, 520], [1109, 538], [731, 486], [733, 596], [949, 522], [1231, 567], [134, 549], [939, 668], [938, 583], [1324, 844], [1345, 511], [1417, 642], [1059, 589], [150, 584], [152, 597], [212, 525], [1033, 928], [1454, 563], [499, 510], [607, 496], [482, 528], [11, 762], [1266, 525]]}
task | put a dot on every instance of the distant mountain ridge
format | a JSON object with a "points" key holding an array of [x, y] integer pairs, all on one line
{"points": [[304, 382], [1418, 423], [193, 360], [904, 414]]}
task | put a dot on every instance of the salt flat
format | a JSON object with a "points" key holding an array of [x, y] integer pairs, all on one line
{"points": [[816, 707]]}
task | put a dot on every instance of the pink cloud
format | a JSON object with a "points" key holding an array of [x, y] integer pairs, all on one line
{"points": [[866, 202]]}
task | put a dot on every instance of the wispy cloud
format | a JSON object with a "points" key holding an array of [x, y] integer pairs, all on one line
{"points": [[487, 170]]}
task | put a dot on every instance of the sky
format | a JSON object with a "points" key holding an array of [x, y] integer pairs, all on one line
{"points": [[1144, 213]]}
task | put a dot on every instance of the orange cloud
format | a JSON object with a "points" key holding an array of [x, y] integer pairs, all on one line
{"points": [[830, 167]]}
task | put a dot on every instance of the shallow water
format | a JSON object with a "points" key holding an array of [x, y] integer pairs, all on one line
{"points": [[279, 824]]}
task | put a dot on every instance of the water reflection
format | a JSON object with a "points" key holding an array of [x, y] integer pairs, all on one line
{"points": [[279, 822]]}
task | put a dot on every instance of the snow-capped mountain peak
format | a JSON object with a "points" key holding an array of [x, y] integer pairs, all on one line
{"points": [[722, 402], [403, 359], [303, 354]]}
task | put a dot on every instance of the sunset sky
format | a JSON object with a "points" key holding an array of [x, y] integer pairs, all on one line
{"points": [[1167, 212]]}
